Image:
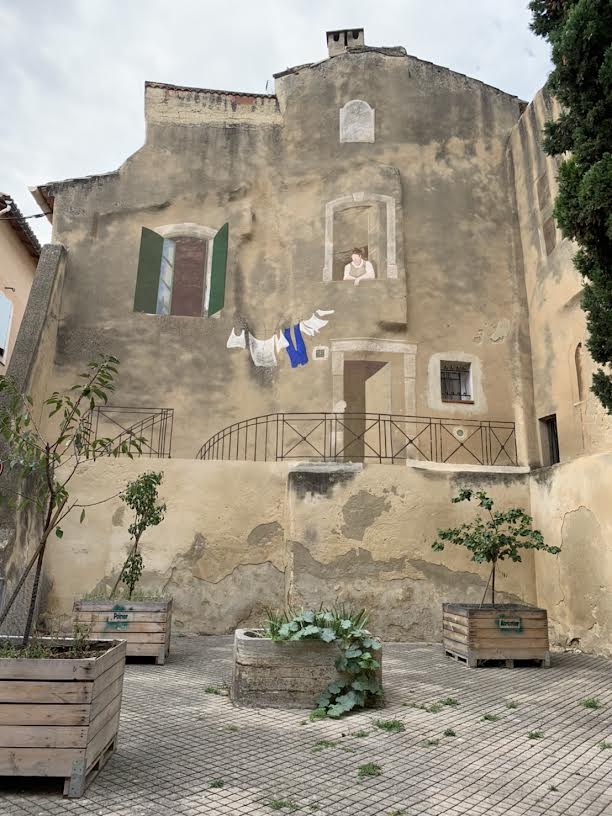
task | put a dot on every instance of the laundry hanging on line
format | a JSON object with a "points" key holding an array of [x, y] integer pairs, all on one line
{"points": [[297, 351], [236, 340]]}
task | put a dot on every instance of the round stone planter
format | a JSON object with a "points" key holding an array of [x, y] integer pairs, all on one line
{"points": [[289, 674]]}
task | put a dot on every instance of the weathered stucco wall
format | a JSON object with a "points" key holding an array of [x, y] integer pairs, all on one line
{"points": [[571, 505], [269, 166], [240, 537], [31, 368]]}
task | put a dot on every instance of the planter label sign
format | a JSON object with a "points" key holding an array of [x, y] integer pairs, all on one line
{"points": [[513, 625]]}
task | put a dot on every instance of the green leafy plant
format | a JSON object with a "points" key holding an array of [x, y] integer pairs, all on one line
{"points": [[391, 726], [140, 496], [533, 735], [604, 745], [321, 745], [216, 783], [361, 733], [491, 717], [510, 704], [580, 33], [553, 788], [449, 701], [450, 733], [282, 804], [369, 769], [214, 690], [502, 535], [44, 464], [592, 703], [357, 684], [432, 708]]}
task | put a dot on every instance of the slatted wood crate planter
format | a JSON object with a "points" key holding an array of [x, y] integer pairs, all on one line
{"points": [[473, 633], [286, 674], [59, 717], [144, 625]]}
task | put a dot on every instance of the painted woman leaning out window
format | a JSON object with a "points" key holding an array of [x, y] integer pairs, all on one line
{"points": [[359, 268]]}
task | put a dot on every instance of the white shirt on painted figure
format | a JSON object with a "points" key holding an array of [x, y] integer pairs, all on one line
{"points": [[358, 269]]}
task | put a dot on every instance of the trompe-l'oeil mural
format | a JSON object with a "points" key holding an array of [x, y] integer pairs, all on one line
{"points": [[291, 339], [359, 269]]}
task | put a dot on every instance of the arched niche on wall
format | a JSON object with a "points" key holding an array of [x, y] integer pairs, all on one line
{"points": [[357, 122], [365, 221]]}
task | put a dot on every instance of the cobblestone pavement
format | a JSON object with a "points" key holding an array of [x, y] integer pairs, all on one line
{"points": [[177, 740]]}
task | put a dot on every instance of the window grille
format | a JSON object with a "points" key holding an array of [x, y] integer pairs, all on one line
{"points": [[456, 381]]}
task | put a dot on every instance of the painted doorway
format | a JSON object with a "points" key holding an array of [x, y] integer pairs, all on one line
{"points": [[367, 392]]}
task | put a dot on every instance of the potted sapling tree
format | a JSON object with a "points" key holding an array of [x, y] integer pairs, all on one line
{"points": [[64, 694], [143, 619], [474, 633]]}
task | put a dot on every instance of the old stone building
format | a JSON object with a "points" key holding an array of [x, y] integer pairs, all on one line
{"points": [[333, 306], [19, 253]]}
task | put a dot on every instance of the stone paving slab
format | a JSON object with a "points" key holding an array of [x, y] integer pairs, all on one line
{"points": [[176, 740]]}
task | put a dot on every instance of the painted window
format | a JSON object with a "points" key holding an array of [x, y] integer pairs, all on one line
{"points": [[359, 243], [357, 122], [550, 440], [6, 316], [181, 275], [456, 381]]}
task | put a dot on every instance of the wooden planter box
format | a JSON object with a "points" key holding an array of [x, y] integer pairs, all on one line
{"points": [[144, 625], [289, 674], [473, 633], [60, 717]]}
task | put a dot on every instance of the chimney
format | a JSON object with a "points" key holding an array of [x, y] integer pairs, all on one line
{"points": [[344, 40]]}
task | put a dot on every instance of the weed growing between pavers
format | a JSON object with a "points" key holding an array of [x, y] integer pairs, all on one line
{"points": [[232, 728], [216, 783], [535, 735], [391, 726], [491, 717], [317, 714], [604, 745], [429, 743], [449, 701], [360, 733], [215, 690], [433, 708], [369, 769], [450, 733], [511, 704], [321, 745], [401, 812], [281, 804], [592, 703], [553, 788]]}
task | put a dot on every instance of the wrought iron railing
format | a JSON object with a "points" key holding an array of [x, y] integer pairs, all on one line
{"points": [[152, 426], [348, 437]]}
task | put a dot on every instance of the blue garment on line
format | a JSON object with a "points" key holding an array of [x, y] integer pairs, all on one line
{"points": [[297, 352]]}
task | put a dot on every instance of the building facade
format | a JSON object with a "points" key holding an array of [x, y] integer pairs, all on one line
{"points": [[333, 306]]}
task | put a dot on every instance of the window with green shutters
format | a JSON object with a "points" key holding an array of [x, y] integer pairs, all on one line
{"points": [[182, 274]]}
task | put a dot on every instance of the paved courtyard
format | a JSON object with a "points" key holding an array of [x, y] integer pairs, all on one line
{"points": [[184, 750]]}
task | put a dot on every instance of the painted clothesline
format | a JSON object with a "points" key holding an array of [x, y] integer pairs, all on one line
{"points": [[263, 352]]}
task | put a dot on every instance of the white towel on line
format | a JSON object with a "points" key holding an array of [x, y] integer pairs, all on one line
{"points": [[236, 340]]}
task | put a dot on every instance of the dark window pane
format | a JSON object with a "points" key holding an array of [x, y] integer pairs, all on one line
{"points": [[188, 277]]}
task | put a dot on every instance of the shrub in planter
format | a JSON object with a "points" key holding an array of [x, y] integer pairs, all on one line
{"points": [[144, 621], [60, 699], [300, 657], [475, 632]]}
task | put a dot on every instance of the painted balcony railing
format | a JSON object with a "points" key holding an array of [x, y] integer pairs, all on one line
{"points": [[383, 438], [153, 426]]}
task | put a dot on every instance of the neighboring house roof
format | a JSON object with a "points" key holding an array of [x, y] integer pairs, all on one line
{"points": [[171, 87], [15, 218]]}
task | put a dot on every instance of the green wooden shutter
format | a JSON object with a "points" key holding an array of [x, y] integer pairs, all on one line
{"points": [[216, 299], [147, 280]]}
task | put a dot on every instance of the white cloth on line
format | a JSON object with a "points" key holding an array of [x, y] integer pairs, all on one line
{"points": [[313, 325], [323, 312], [236, 340], [280, 341], [262, 351]]}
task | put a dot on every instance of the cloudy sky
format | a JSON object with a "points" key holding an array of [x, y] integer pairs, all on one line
{"points": [[71, 89]]}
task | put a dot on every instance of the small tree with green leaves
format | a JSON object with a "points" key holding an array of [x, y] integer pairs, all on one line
{"points": [[141, 497], [43, 463], [499, 536]]}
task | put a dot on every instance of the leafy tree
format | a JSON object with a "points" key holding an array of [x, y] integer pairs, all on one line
{"points": [[580, 33], [141, 497], [502, 535], [44, 467]]}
